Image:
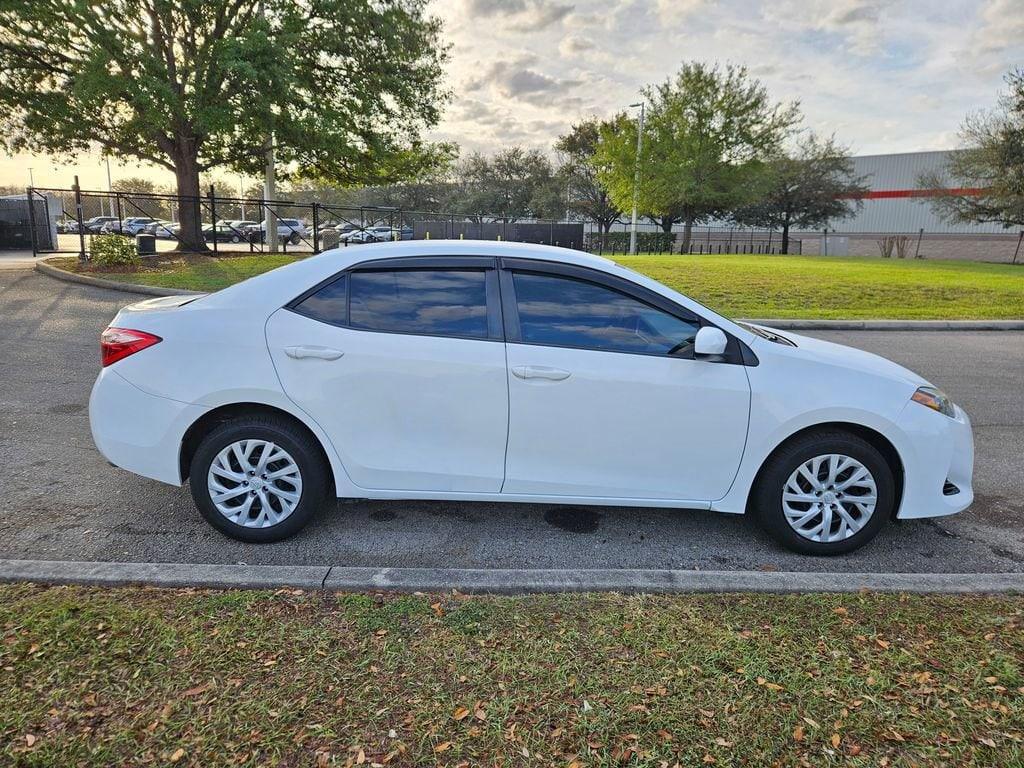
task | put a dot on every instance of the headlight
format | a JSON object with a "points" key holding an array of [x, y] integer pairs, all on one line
{"points": [[935, 399]]}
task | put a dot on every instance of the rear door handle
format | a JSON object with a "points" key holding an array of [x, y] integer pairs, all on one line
{"points": [[323, 353], [539, 372]]}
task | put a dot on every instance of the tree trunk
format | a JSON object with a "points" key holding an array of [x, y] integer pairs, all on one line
{"points": [[684, 247], [785, 237], [190, 216]]}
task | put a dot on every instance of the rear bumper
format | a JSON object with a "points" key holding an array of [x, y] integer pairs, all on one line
{"points": [[137, 431], [938, 457]]}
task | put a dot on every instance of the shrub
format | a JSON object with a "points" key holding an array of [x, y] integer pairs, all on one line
{"points": [[618, 242], [113, 251]]}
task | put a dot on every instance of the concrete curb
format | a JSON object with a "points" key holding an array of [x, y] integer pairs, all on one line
{"points": [[114, 285], [891, 325], [496, 581]]}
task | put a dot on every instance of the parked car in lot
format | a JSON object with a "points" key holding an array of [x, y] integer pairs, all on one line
{"points": [[288, 231], [95, 224], [376, 234], [489, 371], [241, 226], [161, 228], [222, 234], [130, 226]]}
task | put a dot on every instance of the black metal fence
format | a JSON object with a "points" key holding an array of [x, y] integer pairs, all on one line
{"points": [[703, 240], [234, 224], [65, 221]]}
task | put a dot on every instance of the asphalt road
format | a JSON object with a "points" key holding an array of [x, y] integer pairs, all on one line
{"points": [[61, 501]]}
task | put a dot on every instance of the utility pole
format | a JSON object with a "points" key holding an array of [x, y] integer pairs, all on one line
{"points": [[269, 220], [636, 177], [110, 188], [31, 181]]}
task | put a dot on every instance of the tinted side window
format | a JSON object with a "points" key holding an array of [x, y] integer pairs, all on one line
{"points": [[562, 311], [329, 304], [440, 302]]}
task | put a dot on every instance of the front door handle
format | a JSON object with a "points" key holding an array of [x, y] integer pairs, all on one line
{"points": [[539, 372], [323, 353]]}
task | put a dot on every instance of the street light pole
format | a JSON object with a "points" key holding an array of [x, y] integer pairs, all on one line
{"points": [[636, 177], [110, 188], [31, 181]]}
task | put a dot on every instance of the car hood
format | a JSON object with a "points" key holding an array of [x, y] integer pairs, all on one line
{"points": [[842, 356]]}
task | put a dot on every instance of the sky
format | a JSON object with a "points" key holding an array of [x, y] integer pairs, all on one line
{"points": [[882, 75]]}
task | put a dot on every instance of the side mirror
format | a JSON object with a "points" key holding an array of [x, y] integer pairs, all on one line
{"points": [[710, 342]]}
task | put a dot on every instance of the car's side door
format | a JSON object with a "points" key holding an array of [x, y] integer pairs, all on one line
{"points": [[401, 362], [606, 398]]}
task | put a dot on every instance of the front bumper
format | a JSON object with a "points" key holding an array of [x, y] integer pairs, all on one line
{"points": [[137, 431], [938, 457]]}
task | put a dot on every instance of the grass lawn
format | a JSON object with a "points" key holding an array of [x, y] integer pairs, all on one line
{"points": [[139, 676], [737, 286]]}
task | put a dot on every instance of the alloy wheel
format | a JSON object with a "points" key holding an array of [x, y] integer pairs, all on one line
{"points": [[254, 483], [829, 498]]}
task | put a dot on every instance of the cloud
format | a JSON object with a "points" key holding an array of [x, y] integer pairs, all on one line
{"points": [[515, 80], [575, 45], [883, 76], [521, 15]]}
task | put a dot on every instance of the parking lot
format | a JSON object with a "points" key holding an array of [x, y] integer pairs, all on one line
{"points": [[62, 501]]}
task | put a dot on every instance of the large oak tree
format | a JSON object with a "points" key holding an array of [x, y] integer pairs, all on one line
{"points": [[345, 87]]}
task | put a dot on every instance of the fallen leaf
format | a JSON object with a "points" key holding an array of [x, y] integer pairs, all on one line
{"points": [[443, 747], [987, 742], [480, 714], [884, 644], [798, 733], [854, 750], [461, 713], [836, 739], [178, 754], [197, 690], [811, 723], [30, 739], [722, 742]]}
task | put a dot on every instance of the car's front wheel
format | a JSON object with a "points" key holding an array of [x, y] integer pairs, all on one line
{"points": [[258, 478], [825, 493]]}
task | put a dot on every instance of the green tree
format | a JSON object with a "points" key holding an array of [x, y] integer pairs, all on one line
{"points": [[806, 189], [587, 196], [513, 184], [345, 87], [707, 134], [135, 201], [986, 179]]}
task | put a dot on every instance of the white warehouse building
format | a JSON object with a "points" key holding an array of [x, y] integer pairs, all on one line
{"points": [[897, 205]]}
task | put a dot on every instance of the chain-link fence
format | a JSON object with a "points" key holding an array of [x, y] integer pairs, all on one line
{"points": [[234, 224]]}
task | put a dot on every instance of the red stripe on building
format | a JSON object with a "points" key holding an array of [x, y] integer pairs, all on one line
{"points": [[886, 194]]}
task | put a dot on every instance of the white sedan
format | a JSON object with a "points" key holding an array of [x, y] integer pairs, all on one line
{"points": [[507, 372]]}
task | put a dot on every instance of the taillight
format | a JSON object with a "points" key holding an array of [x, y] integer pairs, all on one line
{"points": [[118, 343]]}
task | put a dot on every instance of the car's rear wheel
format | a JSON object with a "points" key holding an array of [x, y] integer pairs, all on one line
{"points": [[825, 493], [258, 478]]}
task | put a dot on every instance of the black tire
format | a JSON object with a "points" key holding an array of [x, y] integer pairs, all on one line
{"points": [[300, 447], [295, 239], [236, 239], [766, 499]]}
